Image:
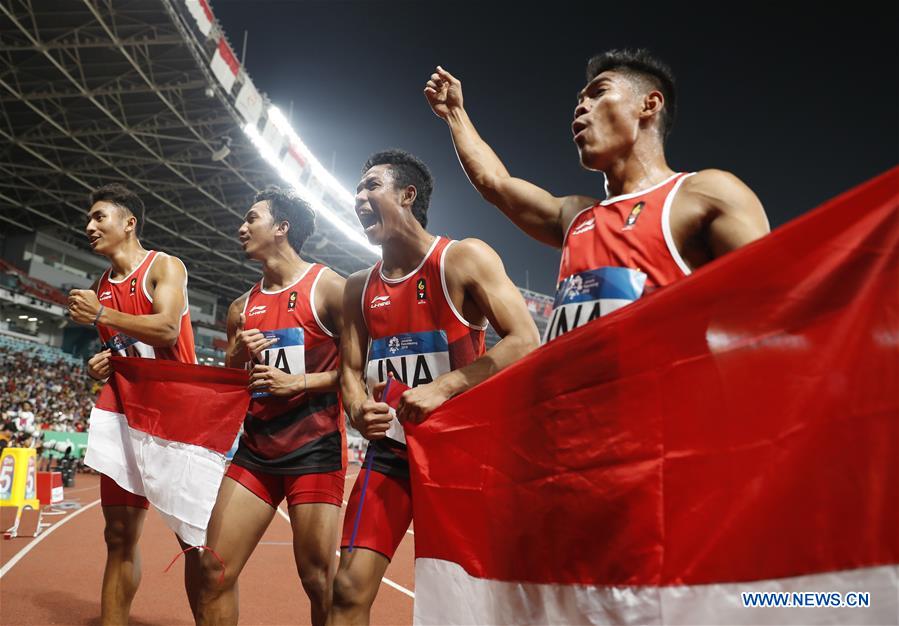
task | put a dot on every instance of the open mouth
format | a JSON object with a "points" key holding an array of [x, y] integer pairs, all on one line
{"points": [[93, 240], [368, 219], [577, 127]]}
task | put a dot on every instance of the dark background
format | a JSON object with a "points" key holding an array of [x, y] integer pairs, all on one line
{"points": [[801, 101]]}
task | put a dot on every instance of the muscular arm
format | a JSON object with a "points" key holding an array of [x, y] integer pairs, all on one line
{"points": [[733, 214], [329, 306], [160, 329], [236, 355], [474, 268], [353, 346], [370, 418], [534, 210], [481, 273]]}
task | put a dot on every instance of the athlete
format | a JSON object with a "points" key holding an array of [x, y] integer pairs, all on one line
{"points": [[655, 225], [139, 306], [293, 447], [418, 315]]}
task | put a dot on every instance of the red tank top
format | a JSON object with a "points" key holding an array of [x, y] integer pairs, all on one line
{"points": [[417, 334], [129, 295], [304, 434], [613, 253]]}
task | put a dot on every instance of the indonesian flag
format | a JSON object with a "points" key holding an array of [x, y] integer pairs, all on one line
{"points": [[161, 429], [734, 433], [224, 65], [201, 13]]}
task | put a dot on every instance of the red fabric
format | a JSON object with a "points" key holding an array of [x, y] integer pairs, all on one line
{"points": [[194, 404], [113, 495], [326, 488], [228, 56], [742, 424], [419, 304], [386, 514], [623, 232]]}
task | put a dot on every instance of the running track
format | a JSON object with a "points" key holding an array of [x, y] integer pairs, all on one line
{"points": [[55, 578]]}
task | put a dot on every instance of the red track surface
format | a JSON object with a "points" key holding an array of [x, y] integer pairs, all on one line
{"points": [[58, 580]]}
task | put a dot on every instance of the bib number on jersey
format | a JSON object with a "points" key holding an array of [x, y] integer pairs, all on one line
{"points": [[413, 358], [585, 296], [123, 345], [288, 354]]}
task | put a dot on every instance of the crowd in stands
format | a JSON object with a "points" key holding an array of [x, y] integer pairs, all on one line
{"points": [[42, 388]]}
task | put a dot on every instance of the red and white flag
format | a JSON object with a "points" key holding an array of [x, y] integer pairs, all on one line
{"points": [[201, 13], [161, 429], [736, 433], [224, 65]]}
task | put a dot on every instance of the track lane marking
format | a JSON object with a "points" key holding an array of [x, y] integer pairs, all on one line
{"points": [[19, 555]]}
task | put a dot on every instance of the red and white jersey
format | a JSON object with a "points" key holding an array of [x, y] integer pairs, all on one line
{"points": [[303, 434], [129, 295], [417, 334], [613, 253]]}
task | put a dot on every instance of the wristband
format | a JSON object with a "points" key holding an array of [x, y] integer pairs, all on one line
{"points": [[99, 313]]}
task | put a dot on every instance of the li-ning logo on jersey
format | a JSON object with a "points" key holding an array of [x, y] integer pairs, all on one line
{"points": [[259, 309], [106, 295], [379, 301], [421, 294], [583, 228], [632, 218], [292, 301], [133, 286]]}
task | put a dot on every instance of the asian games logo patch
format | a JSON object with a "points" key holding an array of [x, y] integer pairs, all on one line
{"points": [[421, 295], [292, 301], [632, 218], [575, 287], [393, 345]]}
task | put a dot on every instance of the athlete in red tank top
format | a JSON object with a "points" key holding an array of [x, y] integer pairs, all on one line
{"points": [[139, 306], [293, 446], [419, 315], [654, 228]]}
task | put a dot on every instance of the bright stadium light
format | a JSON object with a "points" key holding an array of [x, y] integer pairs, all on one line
{"points": [[318, 172]]}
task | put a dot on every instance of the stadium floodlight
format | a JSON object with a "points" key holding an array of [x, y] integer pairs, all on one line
{"points": [[23, 317], [319, 173], [32, 319]]}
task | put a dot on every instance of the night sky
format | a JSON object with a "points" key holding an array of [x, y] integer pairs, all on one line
{"points": [[801, 103]]}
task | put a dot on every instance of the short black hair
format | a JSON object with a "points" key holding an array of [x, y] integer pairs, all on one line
{"points": [[643, 64], [407, 170], [288, 206], [123, 197]]}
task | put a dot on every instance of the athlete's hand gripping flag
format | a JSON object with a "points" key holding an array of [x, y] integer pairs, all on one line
{"points": [[732, 434], [161, 429]]}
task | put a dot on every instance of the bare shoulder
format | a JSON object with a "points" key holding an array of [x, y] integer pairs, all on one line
{"points": [[356, 282], [572, 206], [167, 266], [714, 186], [239, 303], [470, 252], [331, 279]]}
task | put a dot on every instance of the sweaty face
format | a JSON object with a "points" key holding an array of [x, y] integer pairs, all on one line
{"points": [[378, 203], [107, 227], [257, 233], [606, 119]]}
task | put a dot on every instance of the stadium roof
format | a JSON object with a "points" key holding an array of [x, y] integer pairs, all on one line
{"points": [[147, 93]]}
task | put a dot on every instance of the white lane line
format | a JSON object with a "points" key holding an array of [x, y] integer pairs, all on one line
{"points": [[396, 586], [21, 554]]}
